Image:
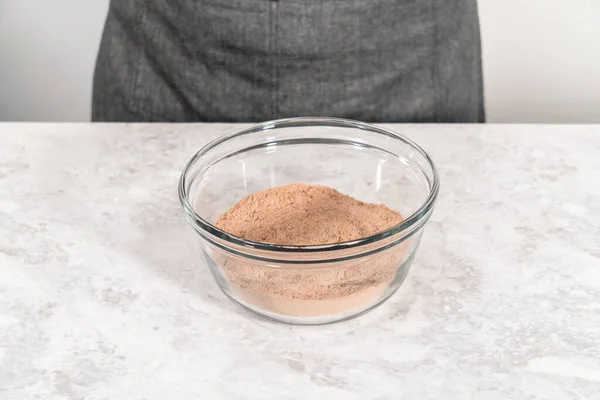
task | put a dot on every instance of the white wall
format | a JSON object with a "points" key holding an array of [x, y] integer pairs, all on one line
{"points": [[541, 59], [47, 55]]}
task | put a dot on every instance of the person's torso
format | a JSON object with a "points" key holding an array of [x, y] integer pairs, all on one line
{"points": [[258, 59]]}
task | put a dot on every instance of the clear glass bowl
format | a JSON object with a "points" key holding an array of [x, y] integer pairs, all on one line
{"points": [[322, 283]]}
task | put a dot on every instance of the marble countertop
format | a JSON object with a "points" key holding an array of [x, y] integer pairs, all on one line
{"points": [[100, 299]]}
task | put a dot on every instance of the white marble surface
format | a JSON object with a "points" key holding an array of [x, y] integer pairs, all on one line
{"points": [[101, 299]]}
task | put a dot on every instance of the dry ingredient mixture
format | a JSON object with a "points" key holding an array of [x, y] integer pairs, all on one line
{"points": [[302, 214]]}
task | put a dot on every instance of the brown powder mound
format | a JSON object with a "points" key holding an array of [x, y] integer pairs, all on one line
{"points": [[302, 214]]}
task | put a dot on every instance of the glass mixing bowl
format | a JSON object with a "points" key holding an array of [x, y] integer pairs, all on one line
{"points": [[321, 283]]}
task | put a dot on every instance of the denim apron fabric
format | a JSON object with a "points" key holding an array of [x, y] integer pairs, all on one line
{"points": [[256, 60]]}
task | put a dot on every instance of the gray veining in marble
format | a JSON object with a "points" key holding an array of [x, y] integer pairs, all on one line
{"points": [[101, 296]]}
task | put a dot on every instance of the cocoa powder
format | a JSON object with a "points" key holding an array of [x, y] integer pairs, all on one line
{"points": [[303, 214]]}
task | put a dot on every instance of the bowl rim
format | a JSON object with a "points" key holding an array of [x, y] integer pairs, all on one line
{"points": [[412, 220]]}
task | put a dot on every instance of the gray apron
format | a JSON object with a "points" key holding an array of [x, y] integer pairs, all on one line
{"points": [[256, 60]]}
